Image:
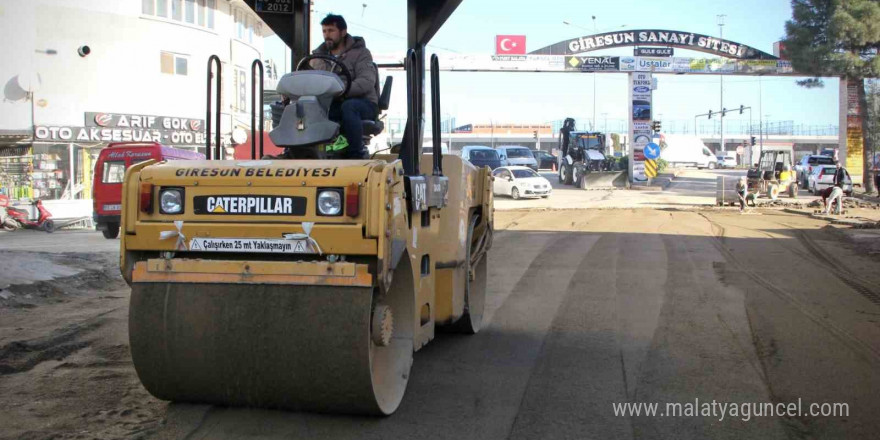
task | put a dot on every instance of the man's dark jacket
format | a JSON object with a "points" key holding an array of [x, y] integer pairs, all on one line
{"points": [[359, 61]]}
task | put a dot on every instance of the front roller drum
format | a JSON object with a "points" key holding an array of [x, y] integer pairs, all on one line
{"points": [[274, 346]]}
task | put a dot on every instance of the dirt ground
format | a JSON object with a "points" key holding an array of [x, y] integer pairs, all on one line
{"points": [[585, 308]]}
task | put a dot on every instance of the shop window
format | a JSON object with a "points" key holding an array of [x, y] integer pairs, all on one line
{"points": [[173, 64], [114, 172], [49, 173]]}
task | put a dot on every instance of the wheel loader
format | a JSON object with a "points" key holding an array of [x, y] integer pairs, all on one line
{"points": [[305, 281]]}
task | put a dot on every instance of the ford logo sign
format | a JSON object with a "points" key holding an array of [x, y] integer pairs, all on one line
{"points": [[641, 89]]}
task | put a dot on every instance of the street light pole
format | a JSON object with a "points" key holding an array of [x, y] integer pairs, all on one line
{"points": [[760, 113], [595, 30], [721, 35]]}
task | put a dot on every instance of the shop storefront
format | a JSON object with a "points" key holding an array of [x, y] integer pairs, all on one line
{"points": [[57, 162]]}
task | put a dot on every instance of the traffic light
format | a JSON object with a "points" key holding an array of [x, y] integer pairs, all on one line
{"points": [[753, 141], [655, 126], [535, 134], [741, 109], [710, 114]]}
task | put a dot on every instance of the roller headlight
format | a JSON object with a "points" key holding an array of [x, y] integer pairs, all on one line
{"points": [[171, 201], [330, 202]]}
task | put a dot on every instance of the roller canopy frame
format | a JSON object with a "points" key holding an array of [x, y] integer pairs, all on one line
{"points": [[424, 19]]}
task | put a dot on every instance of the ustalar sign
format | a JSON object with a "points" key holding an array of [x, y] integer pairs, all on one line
{"points": [[641, 85], [119, 127]]}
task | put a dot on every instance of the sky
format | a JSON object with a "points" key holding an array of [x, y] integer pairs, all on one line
{"points": [[482, 97]]}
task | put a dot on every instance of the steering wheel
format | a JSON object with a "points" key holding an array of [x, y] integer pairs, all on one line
{"points": [[335, 64]]}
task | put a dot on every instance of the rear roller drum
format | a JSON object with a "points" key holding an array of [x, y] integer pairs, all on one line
{"points": [[317, 348], [475, 285]]}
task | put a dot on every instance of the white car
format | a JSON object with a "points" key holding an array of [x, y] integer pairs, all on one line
{"points": [[823, 176], [518, 182], [726, 161]]}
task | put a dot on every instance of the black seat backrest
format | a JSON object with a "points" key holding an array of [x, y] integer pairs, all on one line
{"points": [[385, 97]]}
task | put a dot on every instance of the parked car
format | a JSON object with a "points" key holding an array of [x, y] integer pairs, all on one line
{"points": [[544, 158], [823, 176], [515, 155], [518, 182], [481, 156], [110, 171], [728, 160], [805, 166]]}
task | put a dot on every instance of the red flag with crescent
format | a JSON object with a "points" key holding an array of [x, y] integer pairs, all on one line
{"points": [[510, 44]]}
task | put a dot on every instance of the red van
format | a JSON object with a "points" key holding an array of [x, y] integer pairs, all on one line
{"points": [[110, 171]]}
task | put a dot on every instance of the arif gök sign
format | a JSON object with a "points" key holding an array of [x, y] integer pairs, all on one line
{"points": [[684, 40], [118, 127]]}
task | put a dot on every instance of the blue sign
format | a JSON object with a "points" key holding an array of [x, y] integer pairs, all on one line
{"points": [[652, 151]]}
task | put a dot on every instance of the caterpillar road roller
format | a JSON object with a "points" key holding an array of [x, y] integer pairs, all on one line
{"points": [[305, 281]]}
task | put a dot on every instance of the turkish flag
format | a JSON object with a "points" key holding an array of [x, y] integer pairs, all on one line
{"points": [[510, 44]]}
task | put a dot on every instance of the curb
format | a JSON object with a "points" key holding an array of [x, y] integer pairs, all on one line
{"points": [[867, 198], [828, 218]]}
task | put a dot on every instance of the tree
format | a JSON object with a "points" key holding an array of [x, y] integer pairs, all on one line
{"points": [[837, 38]]}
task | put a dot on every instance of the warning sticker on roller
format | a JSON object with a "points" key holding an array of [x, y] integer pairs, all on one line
{"points": [[259, 245]]}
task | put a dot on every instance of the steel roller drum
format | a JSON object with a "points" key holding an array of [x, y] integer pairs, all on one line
{"points": [[268, 346]]}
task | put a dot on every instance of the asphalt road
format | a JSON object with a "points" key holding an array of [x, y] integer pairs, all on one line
{"points": [[586, 309]]}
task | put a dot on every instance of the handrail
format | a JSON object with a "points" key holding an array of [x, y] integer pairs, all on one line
{"points": [[413, 150], [208, 154], [435, 115], [254, 65]]}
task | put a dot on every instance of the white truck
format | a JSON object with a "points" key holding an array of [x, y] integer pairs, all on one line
{"points": [[683, 150]]}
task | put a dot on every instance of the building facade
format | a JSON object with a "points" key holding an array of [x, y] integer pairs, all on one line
{"points": [[80, 74]]}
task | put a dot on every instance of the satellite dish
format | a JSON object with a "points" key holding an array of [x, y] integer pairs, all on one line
{"points": [[29, 81], [239, 136]]}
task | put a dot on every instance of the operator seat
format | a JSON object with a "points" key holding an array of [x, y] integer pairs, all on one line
{"points": [[376, 126], [305, 121]]}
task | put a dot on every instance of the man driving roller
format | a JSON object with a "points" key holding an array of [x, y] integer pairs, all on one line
{"points": [[361, 102]]}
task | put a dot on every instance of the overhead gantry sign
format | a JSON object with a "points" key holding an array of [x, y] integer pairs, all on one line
{"points": [[653, 37]]}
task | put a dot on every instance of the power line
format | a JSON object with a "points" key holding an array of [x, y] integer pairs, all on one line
{"points": [[389, 34]]}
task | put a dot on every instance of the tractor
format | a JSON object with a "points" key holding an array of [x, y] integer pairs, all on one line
{"points": [[774, 175], [586, 155]]}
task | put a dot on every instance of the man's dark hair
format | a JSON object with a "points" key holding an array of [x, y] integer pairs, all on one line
{"points": [[335, 20]]}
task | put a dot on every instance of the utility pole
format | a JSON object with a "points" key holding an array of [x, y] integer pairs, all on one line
{"points": [[595, 30], [721, 35], [760, 117]]}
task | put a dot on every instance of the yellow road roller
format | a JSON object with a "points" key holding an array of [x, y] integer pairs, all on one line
{"points": [[305, 281]]}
